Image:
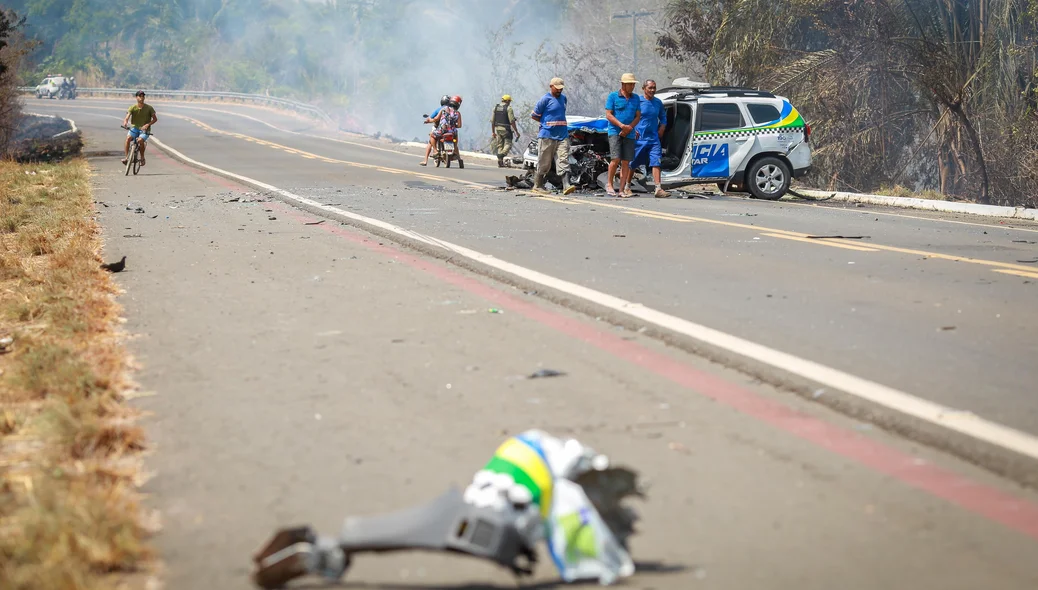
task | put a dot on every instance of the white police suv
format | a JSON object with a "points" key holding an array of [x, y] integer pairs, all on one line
{"points": [[742, 139]]}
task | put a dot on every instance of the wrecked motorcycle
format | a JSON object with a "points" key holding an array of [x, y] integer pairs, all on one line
{"points": [[588, 157], [535, 487]]}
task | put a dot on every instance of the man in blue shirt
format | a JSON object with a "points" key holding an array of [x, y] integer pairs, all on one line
{"points": [[623, 110], [553, 137], [431, 119], [649, 149]]}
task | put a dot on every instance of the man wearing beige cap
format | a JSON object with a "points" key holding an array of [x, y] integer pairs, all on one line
{"points": [[553, 137], [623, 110]]}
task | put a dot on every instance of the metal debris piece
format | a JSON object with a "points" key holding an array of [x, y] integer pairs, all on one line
{"points": [[500, 517]]}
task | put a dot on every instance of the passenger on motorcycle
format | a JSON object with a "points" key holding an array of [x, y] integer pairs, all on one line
{"points": [[448, 119]]}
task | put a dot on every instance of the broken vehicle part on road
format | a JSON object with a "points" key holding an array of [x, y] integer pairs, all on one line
{"points": [[535, 487]]}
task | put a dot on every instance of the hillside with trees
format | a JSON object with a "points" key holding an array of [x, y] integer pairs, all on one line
{"points": [[929, 94], [934, 95]]}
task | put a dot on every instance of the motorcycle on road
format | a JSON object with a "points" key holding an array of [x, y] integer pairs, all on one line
{"points": [[446, 149]]}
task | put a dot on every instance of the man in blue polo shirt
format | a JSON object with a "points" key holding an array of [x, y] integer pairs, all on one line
{"points": [[553, 137], [623, 110], [648, 149]]}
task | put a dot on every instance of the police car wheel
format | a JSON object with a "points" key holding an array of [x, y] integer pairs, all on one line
{"points": [[768, 178]]}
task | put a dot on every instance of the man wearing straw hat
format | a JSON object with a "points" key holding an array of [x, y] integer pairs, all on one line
{"points": [[623, 110]]}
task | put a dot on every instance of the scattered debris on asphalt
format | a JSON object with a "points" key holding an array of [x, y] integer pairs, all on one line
{"points": [[271, 218], [133, 235], [1028, 261], [680, 448], [315, 222], [947, 328], [115, 266], [544, 373], [619, 235], [1022, 241], [495, 310], [536, 487]]}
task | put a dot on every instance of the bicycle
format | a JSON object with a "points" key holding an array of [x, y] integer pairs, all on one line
{"points": [[133, 160]]}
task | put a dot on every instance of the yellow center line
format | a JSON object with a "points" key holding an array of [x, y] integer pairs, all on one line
{"points": [[332, 160], [834, 244], [1020, 273], [793, 234], [834, 206], [653, 215]]}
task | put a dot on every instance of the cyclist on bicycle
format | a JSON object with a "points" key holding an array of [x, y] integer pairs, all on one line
{"points": [[142, 116]]}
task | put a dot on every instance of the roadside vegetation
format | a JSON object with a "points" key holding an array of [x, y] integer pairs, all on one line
{"points": [[937, 95], [930, 95], [69, 450]]}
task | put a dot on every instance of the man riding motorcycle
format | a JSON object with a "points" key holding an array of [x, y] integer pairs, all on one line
{"points": [[446, 119], [444, 100]]}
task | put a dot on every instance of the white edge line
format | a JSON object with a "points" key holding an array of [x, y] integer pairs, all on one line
{"points": [[928, 204], [958, 420]]}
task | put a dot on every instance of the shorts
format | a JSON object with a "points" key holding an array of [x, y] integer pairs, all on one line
{"points": [[621, 148], [136, 132], [647, 151]]}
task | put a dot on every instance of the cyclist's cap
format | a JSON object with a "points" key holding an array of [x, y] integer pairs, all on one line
{"points": [[139, 93], [558, 83]]}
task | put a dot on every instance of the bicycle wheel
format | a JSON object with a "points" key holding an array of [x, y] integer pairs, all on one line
{"points": [[131, 158], [136, 161]]}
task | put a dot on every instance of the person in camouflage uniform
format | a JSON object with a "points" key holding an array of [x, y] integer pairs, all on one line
{"points": [[502, 129]]}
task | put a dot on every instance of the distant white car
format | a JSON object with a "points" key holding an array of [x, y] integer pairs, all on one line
{"points": [[744, 140], [50, 87]]}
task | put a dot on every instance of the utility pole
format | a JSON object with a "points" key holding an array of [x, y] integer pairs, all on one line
{"points": [[634, 32]]}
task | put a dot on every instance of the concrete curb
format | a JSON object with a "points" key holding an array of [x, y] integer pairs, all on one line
{"points": [[927, 204], [991, 457], [71, 123]]}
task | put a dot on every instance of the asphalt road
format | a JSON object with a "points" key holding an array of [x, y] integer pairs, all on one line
{"points": [[305, 372]]}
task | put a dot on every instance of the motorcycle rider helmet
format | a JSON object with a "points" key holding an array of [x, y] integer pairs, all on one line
{"points": [[456, 99], [445, 100]]}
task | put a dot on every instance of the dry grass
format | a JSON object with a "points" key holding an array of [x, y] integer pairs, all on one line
{"points": [[68, 499], [900, 191]]}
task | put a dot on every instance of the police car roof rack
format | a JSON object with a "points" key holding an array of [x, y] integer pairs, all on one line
{"points": [[685, 92], [737, 91]]}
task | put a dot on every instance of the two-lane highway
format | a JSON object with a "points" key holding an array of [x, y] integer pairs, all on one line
{"points": [[938, 308], [304, 370]]}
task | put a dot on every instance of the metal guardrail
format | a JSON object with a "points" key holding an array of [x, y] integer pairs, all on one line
{"points": [[239, 96]]}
